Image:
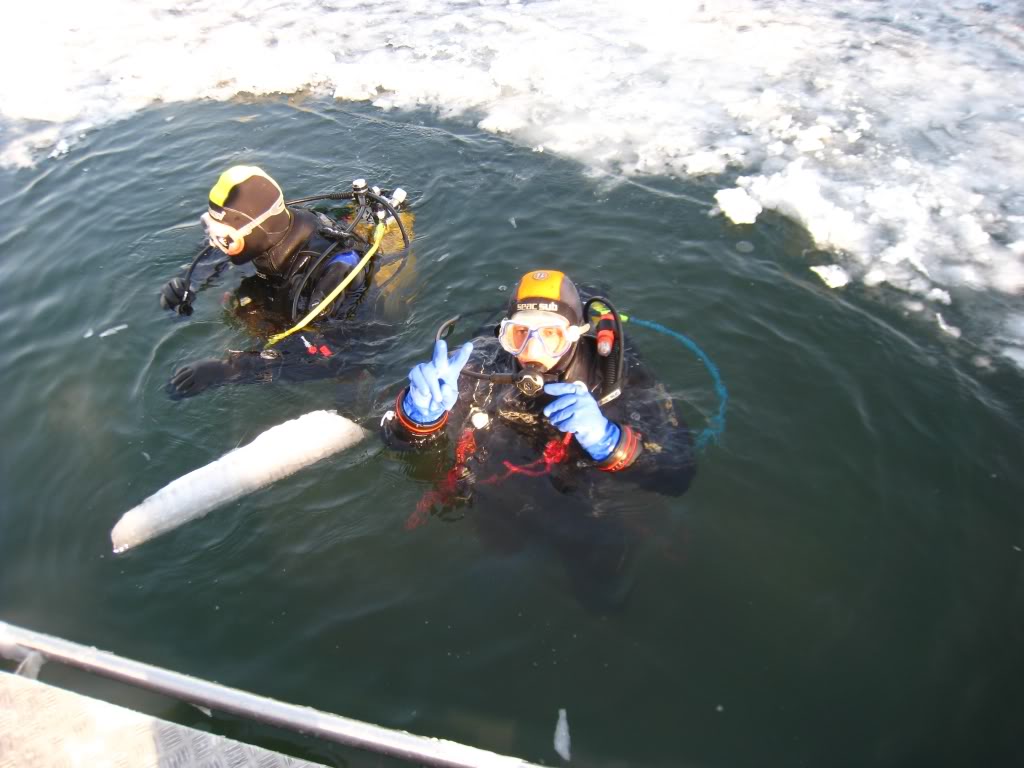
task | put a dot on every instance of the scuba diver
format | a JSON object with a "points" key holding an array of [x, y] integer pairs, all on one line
{"points": [[546, 416], [307, 265]]}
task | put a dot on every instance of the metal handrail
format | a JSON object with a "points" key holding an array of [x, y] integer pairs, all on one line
{"points": [[16, 643]]}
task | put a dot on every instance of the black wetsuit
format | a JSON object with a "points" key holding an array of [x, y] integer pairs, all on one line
{"points": [[291, 278], [292, 286], [525, 481]]}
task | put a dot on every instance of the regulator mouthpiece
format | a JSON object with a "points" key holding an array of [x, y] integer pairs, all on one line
{"points": [[531, 379], [530, 383]]}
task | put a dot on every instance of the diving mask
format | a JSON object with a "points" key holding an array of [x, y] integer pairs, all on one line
{"points": [[553, 332], [223, 235]]}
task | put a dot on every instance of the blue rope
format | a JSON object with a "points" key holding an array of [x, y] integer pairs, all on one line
{"points": [[716, 424]]}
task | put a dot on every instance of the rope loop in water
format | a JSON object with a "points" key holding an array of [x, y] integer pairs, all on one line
{"points": [[712, 433]]}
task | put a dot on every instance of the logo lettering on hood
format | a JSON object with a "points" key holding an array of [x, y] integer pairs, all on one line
{"points": [[543, 306]]}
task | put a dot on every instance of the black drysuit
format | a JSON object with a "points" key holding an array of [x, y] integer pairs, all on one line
{"points": [[522, 480]]}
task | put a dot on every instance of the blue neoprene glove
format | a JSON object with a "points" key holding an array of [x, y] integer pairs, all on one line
{"points": [[576, 410], [434, 386]]}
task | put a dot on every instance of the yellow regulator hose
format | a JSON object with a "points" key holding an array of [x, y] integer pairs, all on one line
{"points": [[378, 235]]}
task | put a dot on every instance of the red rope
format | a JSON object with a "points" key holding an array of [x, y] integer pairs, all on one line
{"points": [[443, 493]]}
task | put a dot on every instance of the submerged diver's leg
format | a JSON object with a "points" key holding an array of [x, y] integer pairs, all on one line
{"points": [[596, 553], [499, 529], [333, 347], [306, 356]]}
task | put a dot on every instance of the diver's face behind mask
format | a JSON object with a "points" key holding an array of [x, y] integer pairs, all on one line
{"points": [[538, 339], [231, 240]]}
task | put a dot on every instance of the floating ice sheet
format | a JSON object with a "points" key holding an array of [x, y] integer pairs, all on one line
{"points": [[562, 742], [891, 129], [832, 275], [740, 207], [112, 331]]}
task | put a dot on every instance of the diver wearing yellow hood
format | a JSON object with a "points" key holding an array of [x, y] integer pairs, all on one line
{"points": [[300, 257]]}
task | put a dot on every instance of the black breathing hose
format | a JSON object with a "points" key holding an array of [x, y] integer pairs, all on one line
{"points": [[351, 196], [313, 269], [612, 366], [185, 305], [307, 275]]}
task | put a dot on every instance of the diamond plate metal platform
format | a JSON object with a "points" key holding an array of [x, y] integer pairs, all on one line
{"points": [[46, 727]]}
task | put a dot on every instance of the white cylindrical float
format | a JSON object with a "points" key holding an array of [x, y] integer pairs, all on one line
{"points": [[274, 454]]}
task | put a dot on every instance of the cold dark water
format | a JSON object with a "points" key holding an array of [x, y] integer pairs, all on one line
{"points": [[843, 584]]}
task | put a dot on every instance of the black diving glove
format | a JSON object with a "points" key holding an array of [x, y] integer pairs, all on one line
{"points": [[172, 294], [193, 378]]}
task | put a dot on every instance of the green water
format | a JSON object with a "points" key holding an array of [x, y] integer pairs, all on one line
{"points": [[843, 584]]}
